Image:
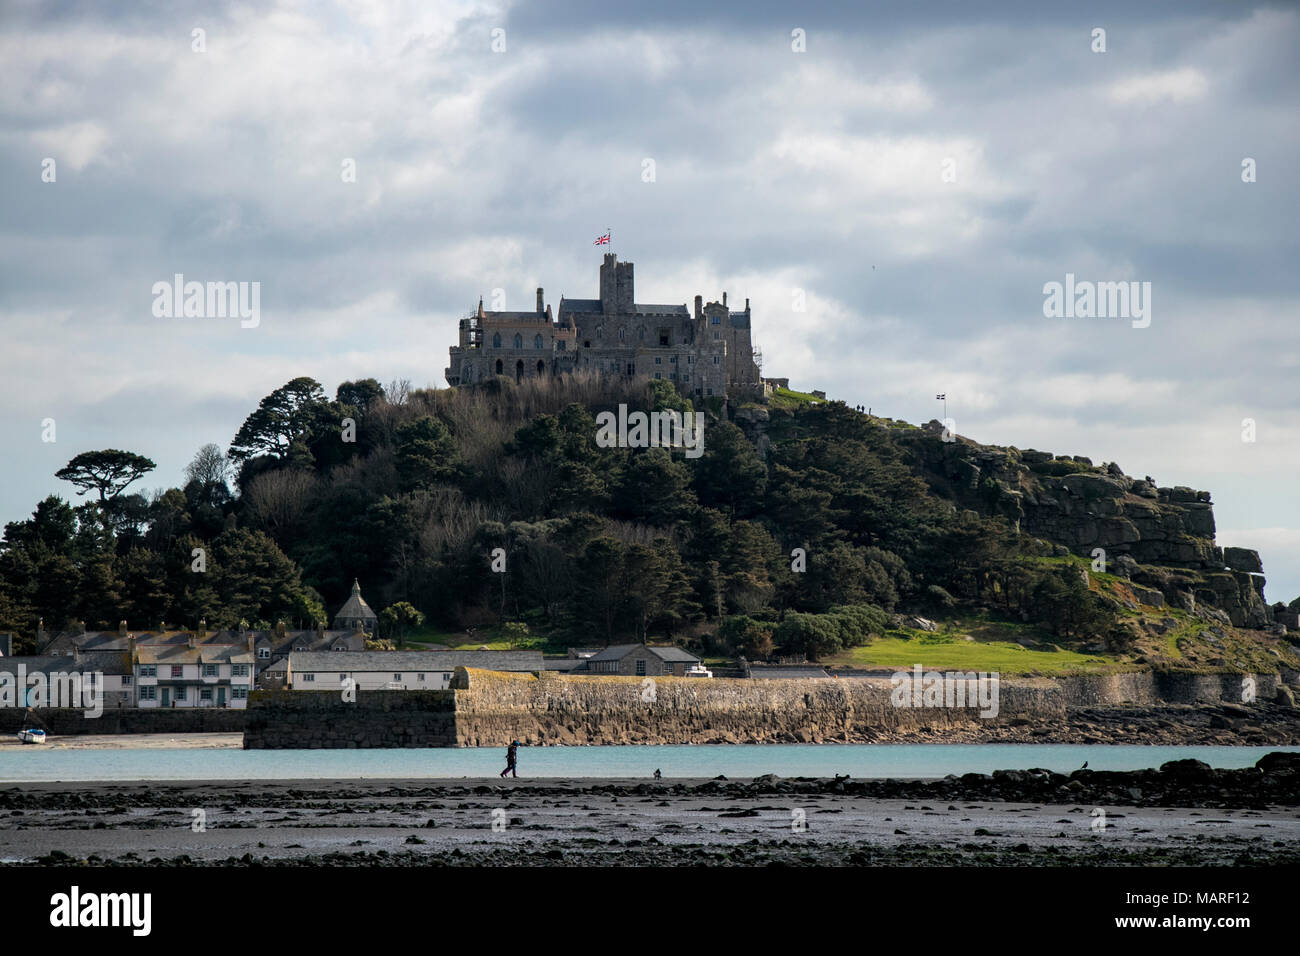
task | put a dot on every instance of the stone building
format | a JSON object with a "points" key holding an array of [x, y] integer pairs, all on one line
{"points": [[705, 351], [355, 614]]}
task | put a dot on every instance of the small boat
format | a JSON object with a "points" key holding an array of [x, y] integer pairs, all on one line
{"points": [[31, 735]]}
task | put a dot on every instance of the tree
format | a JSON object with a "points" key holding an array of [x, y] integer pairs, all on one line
{"points": [[282, 419], [515, 633], [397, 620], [426, 454], [107, 472], [210, 467]]}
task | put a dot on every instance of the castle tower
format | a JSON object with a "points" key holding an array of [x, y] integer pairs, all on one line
{"points": [[616, 286]]}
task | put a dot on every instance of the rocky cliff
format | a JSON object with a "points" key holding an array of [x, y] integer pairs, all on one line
{"points": [[1158, 537]]}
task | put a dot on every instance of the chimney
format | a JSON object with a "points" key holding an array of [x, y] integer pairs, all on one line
{"points": [[541, 307], [252, 645], [130, 650], [203, 628], [162, 627], [279, 628], [699, 306], [320, 628], [746, 303], [76, 652], [724, 298], [121, 628]]}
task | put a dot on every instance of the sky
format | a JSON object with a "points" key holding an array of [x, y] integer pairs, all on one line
{"points": [[914, 173]]}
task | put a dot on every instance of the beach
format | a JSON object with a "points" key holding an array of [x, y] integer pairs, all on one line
{"points": [[1187, 815]]}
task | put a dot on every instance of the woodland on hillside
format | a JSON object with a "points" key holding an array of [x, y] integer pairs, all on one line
{"points": [[411, 490]]}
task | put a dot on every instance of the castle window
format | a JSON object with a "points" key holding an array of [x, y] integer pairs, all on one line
{"points": [[562, 344], [715, 336], [641, 333], [716, 320], [537, 341], [673, 359], [496, 341], [519, 341], [658, 360], [587, 344], [622, 334], [710, 391], [657, 375], [715, 360]]}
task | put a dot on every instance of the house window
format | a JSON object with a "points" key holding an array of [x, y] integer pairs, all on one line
{"points": [[178, 670], [149, 693], [126, 680], [421, 677], [263, 653], [640, 668], [308, 678], [148, 670], [238, 670], [343, 677], [239, 693], [180, 693], [205, 693], [209, 670], [397, 677]]}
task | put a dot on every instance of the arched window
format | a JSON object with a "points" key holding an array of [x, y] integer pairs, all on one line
{"points": [[600, 331], [496, 341], [519, 341], [537, 341], [500, 368], [622, 334], [541, 367], [641, 333]]}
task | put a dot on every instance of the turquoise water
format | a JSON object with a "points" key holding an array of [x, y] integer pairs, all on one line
{"points": [[735, 761]]}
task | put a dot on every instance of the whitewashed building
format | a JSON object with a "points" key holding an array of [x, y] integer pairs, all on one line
{"points": [[193, 675], [398, 670]]}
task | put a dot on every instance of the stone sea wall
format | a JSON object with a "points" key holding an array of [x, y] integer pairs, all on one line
{"points": [[490, 709], [493, 708], [315, 720], [66, 721]]}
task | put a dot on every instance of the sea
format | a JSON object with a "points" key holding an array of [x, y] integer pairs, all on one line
{"points": [[734, 761]]}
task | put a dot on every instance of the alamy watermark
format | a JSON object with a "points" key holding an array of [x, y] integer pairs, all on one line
{"points": [[54, 689], [179, 299], [668, 429], [919, 688], [1098, 300]]}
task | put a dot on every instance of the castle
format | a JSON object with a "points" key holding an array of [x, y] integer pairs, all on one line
{"points": [[705, 352]]}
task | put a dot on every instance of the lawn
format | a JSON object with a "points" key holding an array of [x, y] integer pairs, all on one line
{"points": [[945, 652]]}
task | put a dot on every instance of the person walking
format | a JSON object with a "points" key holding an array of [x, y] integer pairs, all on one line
{"points": [[512, 755]]}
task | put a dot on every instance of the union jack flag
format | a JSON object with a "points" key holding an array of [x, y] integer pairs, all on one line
{"points": [[602, 240]]}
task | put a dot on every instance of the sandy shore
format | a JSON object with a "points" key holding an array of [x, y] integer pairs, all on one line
{"points": [[134, 742], [1227, 818]]}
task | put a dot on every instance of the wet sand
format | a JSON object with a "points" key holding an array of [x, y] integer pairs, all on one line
{"points": [[585, 822]]}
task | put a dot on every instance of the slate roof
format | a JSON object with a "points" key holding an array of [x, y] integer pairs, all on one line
{"points": [[616, 652], [201, 654], [309, 661], [581, 305], [643, 309], [355, 606], [43, 663]]}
